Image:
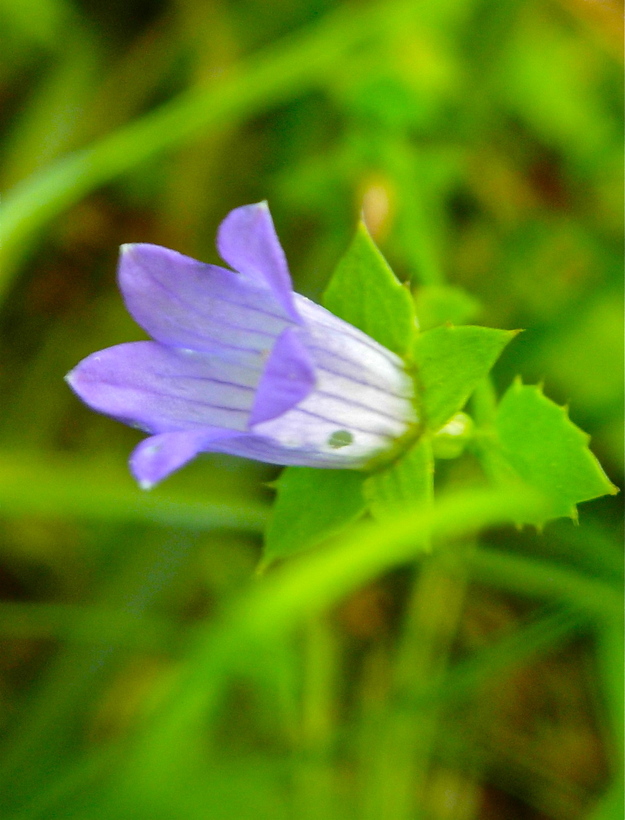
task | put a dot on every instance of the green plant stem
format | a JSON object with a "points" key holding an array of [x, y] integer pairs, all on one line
{"points": [[315, 787], [434, 611], [533, 639], [392, 774], [86, 625], [309, 585], [29, 752], [60, 487], [534, 578]]}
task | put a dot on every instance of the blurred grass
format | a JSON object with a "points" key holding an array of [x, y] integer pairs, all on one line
{"points": [[146, 671]]}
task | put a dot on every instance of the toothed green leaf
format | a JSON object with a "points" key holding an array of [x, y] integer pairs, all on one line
{"points": [[441, 304], [365, 292], [311, 505], [549, 452], [450, 363], [406, 483]]}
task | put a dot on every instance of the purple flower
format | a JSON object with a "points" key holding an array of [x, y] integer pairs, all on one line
{"points": [[240, 364]]}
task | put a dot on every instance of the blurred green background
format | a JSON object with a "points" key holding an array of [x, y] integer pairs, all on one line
{"points": [[483, 140]]}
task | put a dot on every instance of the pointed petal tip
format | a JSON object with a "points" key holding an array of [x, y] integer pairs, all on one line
{"points": [[247, 241], [126, 260], [131, 249], [144, 464], [73, 378], [134, 249], [160, 455], [262, 205]]}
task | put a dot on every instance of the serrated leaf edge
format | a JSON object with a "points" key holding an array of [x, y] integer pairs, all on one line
{"points": [[573, 514]]}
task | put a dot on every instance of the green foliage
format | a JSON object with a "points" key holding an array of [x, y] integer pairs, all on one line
{"points": [[451, 439], [548, 451], [450, 362], [405, 484], [535, 442], [364, 291], [443, 304], [311, 505]]}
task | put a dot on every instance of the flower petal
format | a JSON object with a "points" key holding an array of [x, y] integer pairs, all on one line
{"points": [[343, 350], [158, 456], [287, 379], [182, 302], [307, 438], [301, 444], [247, 241], [161, 389]]}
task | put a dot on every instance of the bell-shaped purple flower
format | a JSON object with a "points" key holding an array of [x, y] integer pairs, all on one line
{"points": [[240, 364]]}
